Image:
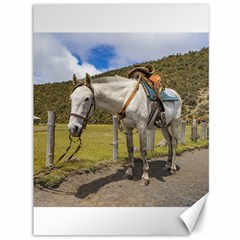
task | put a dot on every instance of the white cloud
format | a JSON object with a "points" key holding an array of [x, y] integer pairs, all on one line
{"points": [[54, 63], [136, 47], [53, 60], [143, 47]]}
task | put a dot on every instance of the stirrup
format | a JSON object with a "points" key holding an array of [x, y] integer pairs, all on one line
{"points": [[160, 121]]}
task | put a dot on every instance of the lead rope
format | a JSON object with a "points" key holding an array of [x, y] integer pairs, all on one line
{"points": [[54, 167], [77, 149]]}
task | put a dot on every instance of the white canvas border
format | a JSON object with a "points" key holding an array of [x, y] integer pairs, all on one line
{"points": [[121, 18], [101, 221], [135, 221], [219, 212]]}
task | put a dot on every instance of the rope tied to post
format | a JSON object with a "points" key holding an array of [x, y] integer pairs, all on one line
{"points": [[49, 169]]}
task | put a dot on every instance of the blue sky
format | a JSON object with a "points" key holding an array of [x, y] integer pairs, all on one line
{"points": [[101, 55], [57, 56]]}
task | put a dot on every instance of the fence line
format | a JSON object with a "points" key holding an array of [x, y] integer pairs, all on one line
{"points": [[194, 131], [115, 137], [150, 136], [50, 138], [182, 132], [203, 131]]}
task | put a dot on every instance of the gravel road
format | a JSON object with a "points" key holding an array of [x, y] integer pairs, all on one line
{"points": [[106, 187]]}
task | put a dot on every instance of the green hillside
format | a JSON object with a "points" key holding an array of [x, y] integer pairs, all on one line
{"points": [[185, 73]]}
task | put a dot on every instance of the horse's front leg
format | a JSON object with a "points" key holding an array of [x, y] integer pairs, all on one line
{"points": [[129, 172], [142, 131]]}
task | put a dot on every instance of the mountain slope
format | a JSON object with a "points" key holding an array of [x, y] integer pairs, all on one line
{"points": [[185, 73]]}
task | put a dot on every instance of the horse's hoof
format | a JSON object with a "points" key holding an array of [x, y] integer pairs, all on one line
{"points": [[127, 176], [144, 182], [165, 169], [173, 171]]}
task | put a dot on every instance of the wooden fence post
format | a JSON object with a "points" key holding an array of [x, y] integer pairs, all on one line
{"points": [[50, 139], [203, 131], [194, 132], [207, 131], [182, 132], [115, 137], [150, 139]]}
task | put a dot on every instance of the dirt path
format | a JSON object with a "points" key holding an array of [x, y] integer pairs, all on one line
{"points": [[105, 187]]}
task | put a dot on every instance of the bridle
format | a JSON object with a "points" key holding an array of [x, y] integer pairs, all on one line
{"points": [[93, 104]]}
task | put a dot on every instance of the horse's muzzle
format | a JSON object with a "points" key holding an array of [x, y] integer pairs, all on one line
{"points": [[75, 130]]}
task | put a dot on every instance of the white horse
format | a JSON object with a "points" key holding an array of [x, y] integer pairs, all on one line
{"points": [[111, 94]]}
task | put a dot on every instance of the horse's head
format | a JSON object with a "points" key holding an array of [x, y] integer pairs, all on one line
{"points": [[82, 105]]}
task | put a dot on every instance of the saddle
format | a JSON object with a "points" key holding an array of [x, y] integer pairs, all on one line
{"points": [[153, 87], [148, 79]]}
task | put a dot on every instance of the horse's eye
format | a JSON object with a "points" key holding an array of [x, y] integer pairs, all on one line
{"points": [[86, 99]]}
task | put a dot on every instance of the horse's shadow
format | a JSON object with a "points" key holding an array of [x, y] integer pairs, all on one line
{"points": [[156, 171]]}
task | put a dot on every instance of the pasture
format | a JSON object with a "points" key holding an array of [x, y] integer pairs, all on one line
{"points": [[96, 150]]}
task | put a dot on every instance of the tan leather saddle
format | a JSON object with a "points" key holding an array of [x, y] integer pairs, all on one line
{"points": [[154, 82], [146, 73]]}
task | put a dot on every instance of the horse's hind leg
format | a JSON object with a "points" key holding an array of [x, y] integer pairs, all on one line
{"points": [[129, 172], [168, 138], [174, 130]]}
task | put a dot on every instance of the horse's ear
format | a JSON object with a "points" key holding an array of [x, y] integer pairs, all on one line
{"points": [[88, 80], [74, 80]]}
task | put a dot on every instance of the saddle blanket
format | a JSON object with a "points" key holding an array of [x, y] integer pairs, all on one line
{"points": [[168, 95], [165, 95]]}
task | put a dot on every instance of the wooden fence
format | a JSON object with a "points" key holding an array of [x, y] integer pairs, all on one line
{"points": [[50, 138], [150, 136]]}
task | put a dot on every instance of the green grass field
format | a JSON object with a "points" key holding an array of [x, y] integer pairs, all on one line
{"points": [[96, 149]]}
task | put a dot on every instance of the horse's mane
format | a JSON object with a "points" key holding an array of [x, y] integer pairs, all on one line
{"points": [[111, 79]]}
